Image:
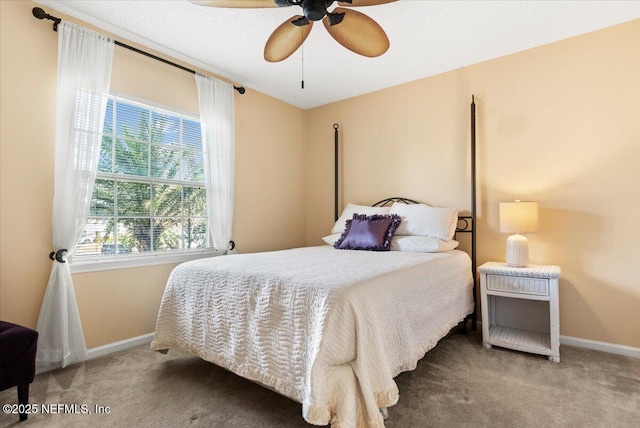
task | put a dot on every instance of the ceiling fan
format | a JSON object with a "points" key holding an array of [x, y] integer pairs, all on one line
{"points": [[353, 30]]}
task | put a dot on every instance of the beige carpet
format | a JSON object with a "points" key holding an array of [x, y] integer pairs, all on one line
{"points": [[457, 384]]}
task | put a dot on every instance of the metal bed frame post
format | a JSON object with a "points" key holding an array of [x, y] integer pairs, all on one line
{"points": [[336, 171], [474, 315]]}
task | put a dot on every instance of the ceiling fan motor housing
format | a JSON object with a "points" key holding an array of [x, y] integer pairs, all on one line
{"points": [[315, 10]]}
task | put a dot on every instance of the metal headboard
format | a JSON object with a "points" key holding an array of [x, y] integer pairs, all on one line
{"points": [[464, 221], [388, 201]]}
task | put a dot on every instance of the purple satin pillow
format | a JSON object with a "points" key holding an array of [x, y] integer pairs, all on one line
{"points": [[371, 233]]}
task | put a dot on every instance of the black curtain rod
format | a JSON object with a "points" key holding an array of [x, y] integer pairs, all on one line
{"points": [[41, 14]]}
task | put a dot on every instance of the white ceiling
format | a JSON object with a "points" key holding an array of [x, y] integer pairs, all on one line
{"points": [[427, 38]]}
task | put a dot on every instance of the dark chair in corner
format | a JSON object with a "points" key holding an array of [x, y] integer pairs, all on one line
{"points": [[17, 359]]}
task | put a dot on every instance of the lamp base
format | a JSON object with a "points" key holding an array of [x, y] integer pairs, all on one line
{"points": [[517, 251]]}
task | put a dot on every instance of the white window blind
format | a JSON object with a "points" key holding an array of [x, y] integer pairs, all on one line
{"points": [[149, 194]]}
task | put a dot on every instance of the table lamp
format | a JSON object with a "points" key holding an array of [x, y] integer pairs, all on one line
{"points": [[518, 218]]}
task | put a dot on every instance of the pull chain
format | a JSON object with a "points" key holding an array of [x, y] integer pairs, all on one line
{"points": [[302, 66]]}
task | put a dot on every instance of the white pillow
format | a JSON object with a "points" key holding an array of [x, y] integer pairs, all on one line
{"points": [[422, 244], [423, 220], [352, 209], [332, 239]]}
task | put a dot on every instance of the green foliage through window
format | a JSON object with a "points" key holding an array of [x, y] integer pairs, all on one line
{"points": [[149, 194]]}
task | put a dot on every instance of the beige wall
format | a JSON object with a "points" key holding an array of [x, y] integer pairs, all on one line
{"points": [[559, 124], [119, 304]]}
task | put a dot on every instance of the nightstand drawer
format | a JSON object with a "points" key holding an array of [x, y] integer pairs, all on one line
{"points": [[513, 284]]}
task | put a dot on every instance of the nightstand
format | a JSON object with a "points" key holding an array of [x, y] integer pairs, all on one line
{"points": [[520, 308]]}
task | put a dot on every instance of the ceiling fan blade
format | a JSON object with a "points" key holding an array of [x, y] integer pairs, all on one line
{"points": [[287, 38], [242, 3], [358, 33], [358, 3]]}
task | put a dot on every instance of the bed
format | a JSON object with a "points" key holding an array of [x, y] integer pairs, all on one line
{"points": [[326, 327], [329, 326]]}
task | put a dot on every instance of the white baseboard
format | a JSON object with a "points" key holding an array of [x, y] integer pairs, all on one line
{"points": [[611, 348], [101, 351], [122, 345]]}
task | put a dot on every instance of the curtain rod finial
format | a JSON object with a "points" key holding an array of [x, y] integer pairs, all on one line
{"points": [[39, 13]]}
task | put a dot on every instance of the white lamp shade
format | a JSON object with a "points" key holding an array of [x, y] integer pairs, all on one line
{"points": [[518, 217]]}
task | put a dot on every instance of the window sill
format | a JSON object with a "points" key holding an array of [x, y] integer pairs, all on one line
{"points": [[133, 261]]}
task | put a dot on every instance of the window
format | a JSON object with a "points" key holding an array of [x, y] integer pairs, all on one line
{"points": [[149, 196]]}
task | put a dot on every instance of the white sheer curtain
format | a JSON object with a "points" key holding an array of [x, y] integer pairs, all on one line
{"points": [[216, 100], [84, 74]]}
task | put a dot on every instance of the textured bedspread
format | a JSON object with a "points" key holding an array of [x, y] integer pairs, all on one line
{"points": [[328, 328]]}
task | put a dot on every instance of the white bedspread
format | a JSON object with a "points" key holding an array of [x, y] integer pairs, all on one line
{"points": [[328, 328]]}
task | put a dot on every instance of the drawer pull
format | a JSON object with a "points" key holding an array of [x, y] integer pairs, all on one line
{"points": [[515, 285]]}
